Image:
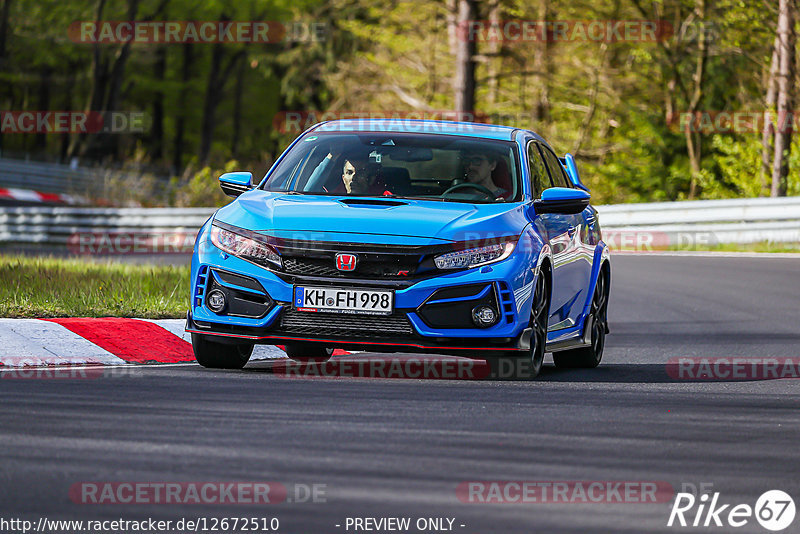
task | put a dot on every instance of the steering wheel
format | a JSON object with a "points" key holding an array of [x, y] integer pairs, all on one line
{"points": [[481, 189]]}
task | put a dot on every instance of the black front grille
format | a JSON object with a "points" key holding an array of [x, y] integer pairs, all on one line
{"points": [[373, 261], [387, 267], [345, 325], [310, 267]]}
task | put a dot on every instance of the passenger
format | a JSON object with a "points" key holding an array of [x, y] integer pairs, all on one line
{"points": [[363, 177]]}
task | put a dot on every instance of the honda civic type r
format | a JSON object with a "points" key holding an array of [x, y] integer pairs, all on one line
{"points": [[405, 236]]}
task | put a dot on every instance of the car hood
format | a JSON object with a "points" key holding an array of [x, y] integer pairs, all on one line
{"points": [[371, 220]]}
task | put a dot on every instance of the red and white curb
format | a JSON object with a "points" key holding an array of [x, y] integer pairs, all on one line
{"points": [[29, 195], [100, 341]]}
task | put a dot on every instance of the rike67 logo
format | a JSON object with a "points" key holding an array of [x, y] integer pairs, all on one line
{"points": [[774, 510]]}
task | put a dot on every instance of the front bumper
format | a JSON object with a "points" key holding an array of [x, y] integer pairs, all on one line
{"points": [[430, 315], [453, 346]]}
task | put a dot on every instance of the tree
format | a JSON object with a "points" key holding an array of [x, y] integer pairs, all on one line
{"points": [[786, 96], [464, 79]]}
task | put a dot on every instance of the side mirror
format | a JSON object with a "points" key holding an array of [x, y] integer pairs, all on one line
{"points": [[562, 200], [234, 184], [568, 161]]}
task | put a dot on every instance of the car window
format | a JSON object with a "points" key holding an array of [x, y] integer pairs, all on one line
{"points": [[540, 180], [427, 166], [557, 172]]}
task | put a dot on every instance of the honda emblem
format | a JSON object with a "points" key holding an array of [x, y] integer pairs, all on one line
{"points": [[346, 262]]}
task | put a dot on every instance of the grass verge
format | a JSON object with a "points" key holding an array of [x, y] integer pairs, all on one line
{"points": [[59, 287]]}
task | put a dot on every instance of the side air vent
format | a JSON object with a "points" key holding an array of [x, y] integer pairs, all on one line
{"points": [[200, 285], [506, 302]]}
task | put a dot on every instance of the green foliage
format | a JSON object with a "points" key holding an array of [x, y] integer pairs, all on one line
{"points": [[604, 101], [203, 188], [738, 163]]}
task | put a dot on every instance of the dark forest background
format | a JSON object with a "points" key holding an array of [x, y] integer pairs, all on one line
{"points": [[614, 105]]}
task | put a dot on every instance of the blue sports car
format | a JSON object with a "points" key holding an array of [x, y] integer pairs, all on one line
{"points": [[405, 236]]}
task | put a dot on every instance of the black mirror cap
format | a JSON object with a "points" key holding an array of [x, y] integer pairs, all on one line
{"points": [[565, 207], [233, 190]]}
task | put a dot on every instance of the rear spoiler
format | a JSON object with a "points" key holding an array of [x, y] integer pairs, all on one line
{"points": [[572, 171]]}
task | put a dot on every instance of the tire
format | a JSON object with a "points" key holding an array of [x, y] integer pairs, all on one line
{"points": [[528, 366], [220, 355], [590, 357], [307, 353]]}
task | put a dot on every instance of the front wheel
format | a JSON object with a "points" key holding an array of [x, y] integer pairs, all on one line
{"points": [[529, 365], [220, 355], [590, 357]]}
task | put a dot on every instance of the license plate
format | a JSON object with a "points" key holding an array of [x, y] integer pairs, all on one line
{"points": [[343, 300]]}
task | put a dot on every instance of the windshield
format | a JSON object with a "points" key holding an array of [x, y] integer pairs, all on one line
{"points": [[426, 166]]}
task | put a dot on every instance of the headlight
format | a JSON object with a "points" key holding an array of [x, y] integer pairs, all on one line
{"points": [[475, 257], [244, 247]]}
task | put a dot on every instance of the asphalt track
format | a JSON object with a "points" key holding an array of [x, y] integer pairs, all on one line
{"points": [[400, 448]]}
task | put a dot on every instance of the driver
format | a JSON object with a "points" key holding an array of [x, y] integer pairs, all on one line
{"points": [[479, 171]]}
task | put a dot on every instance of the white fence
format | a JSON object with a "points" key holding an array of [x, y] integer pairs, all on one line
{"points": [[688, 223], [84, 182], [58, 226], [668, 223]]}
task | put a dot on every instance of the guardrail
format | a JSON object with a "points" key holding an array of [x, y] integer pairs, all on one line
{"points": [[47, 177], [640, 225], [81, 182], [702, 222], [56, 226]]}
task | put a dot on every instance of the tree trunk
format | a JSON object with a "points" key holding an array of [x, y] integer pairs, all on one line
{"points": [[693, 139], [786, 97], [543, 66], [4, 29], [452, 25], [43, 104], [186, 75], [494, 56], [217, 76], [97, 92], [3, 33], [586, 124], [160, 73], [237, 106], [67, 105], [768, 134], [210, 105], [109, 143], [464, 82]]}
